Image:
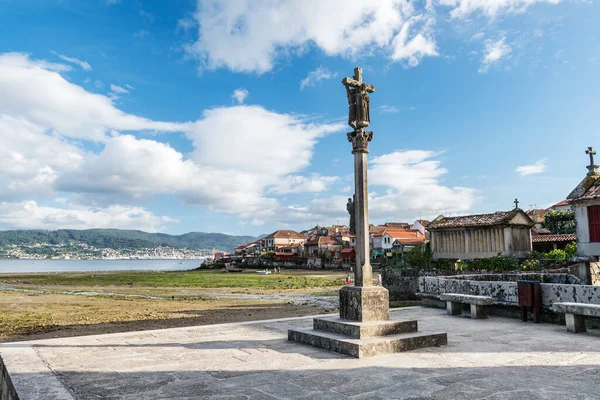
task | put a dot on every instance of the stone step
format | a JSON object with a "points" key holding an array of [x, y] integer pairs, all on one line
{"points": [[360, 348], [363, 330]]}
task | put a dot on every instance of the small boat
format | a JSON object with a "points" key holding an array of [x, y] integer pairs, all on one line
{"points": [[231, 268], [265, 272]]}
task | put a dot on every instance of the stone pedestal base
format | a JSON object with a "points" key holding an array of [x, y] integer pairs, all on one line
{"points": [[364, 328], [364, 303]]}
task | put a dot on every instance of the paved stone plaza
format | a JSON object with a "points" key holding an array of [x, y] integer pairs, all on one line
{"points": [[497, 358]]}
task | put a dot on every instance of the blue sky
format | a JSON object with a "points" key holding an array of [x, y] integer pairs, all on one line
{"points": [[185, 115]]}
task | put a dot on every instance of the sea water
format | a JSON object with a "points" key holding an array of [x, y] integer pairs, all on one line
{"points": [[19, 266]]}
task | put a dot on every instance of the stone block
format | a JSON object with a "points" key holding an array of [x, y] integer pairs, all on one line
{"points": [[363, 330], [553, 293], [587, 294], [360, 348], [463, 298], [364, 303]]}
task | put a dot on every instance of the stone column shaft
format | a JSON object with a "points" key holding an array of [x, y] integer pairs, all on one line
{"points": [[363, 275]]}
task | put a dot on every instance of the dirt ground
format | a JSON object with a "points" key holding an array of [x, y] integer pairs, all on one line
{"points": [[29, 316]]}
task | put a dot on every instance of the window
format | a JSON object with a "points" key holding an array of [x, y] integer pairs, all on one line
{"points": [[594, 220]]}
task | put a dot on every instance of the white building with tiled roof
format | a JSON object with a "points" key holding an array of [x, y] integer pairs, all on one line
{"points": [[481, 236], [585, 202], [282, 238]]}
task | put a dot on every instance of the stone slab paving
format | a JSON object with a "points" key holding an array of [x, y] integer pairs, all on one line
{"points": [[497, 358]]}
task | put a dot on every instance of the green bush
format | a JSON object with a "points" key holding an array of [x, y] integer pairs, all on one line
{"points": [[418, 257], [497, 263], [530, 265], [571, 250], [556, 254]]}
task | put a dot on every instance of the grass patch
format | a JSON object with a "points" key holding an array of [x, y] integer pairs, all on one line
{"points": [[191, 279]]}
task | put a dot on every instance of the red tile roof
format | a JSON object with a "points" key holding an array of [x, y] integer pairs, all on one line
{"points": [[562, 203], [400, 233], [285, 234], [554, 238]]}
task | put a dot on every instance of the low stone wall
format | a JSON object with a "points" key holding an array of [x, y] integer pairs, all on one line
{"points": [[402, 283], [559, 278], [7, 390], [505, 293]]}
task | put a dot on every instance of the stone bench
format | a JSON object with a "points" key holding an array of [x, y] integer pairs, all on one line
{"points": [[575, 314], [454, 303]]}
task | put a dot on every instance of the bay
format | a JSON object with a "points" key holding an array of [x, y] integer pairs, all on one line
{"points": [[27, 266]]}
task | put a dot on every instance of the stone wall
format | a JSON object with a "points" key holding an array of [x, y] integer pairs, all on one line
{"points": [[595, 273], [504, 292], [7, 390], [402, 283]]}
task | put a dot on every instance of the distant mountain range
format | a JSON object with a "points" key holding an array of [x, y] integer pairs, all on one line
{"points": [[123, 239]]}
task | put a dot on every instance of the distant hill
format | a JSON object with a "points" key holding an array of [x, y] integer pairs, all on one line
{"points": [[123, 239]]}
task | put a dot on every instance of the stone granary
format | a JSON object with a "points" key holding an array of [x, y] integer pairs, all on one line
{"points": [[585, 202], [481, 236]]}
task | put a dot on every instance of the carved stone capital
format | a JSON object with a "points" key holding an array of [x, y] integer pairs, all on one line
{"points": [[360, 140]]}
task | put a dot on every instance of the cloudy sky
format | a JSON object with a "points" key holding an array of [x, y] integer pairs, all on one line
{"points": [[229, 116]]}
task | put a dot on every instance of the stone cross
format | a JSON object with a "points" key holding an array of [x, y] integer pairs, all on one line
{"points": [[358, 100], [592, 168], [358, 118], [516, 203]]}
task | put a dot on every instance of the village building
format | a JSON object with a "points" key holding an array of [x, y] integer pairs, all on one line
{"points": [[282, 238], [240, 251], [421, 226], [481, 236], [564, 205], [544, 243], [383, 242], [321, 249], [585, 202]]}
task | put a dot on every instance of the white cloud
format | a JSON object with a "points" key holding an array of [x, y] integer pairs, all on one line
{"points": [[186, 23], [248, 36], [31, 159], [536, 168], [411, 186], [301, 184], [84, 65], [316, 76], [252, 36], [489, 8], [387, 109], [118, 89], [35, 91], [494, 52], [30, 215], [240, 95], [106, 185]]}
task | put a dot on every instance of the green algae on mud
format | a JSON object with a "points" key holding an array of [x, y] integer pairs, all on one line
{"points": [[295, 279]]}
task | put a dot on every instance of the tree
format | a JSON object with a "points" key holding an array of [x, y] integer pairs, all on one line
{"points": [[560, 222], [418, 257]]}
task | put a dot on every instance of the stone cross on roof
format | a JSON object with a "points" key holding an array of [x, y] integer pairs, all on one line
{"points": [[593, 169], [516, 203]]}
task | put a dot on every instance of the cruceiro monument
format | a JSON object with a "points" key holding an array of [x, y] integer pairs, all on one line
{"points": [[363, 327]]}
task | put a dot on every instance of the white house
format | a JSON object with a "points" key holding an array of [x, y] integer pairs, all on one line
{"points": [[585, 201], [421, 226]]}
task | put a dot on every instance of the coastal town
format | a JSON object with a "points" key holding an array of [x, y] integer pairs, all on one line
{"points": [[82, 251], [516, 233]]}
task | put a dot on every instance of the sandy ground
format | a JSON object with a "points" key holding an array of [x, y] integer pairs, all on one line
{"points": [[39, 315]]}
